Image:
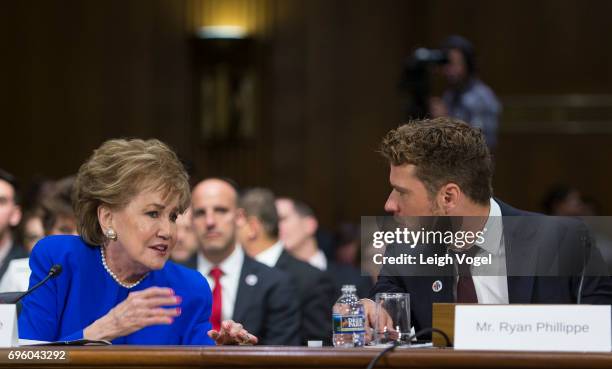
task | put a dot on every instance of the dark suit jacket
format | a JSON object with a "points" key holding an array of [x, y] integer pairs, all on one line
{"points": [[523, 233], [347, 274], [269, 308], [17, 252], [316, 292]]}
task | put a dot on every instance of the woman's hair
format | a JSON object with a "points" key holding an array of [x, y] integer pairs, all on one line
{"points": [[119, 170]]}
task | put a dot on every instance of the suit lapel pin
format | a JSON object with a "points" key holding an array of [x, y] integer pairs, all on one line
{"points": [[251, 279], [437, 286]]}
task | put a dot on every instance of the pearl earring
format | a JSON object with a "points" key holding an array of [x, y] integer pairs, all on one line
{"points": [[111, 234]]}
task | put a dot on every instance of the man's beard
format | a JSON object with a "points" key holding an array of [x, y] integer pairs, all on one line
{"points": [[417, 222]]}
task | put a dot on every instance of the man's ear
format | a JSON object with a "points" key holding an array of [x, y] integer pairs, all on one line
{"points": [[105, 217], [15, 217], [311, 224], [241, 217], [254, 227], [448, 197]]}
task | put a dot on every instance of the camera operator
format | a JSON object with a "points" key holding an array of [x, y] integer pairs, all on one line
{"points": [[467, 98]]}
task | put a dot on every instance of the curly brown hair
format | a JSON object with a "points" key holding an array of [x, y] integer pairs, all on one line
{"points": [[444, 150]]}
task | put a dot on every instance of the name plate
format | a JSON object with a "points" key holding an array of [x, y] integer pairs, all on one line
{"points": [[533, 327], [8, 325]]}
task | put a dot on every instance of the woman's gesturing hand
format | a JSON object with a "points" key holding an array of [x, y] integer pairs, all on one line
{"points": [[232, 333], [140, 309]]}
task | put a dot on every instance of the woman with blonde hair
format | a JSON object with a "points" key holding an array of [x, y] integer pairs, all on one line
{"points": [[117, 283]]}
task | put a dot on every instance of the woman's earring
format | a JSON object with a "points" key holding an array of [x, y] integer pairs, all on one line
{"points": [[111, 234]]}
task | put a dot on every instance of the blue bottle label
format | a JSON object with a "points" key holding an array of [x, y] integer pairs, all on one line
{"points": [[348, 323]]}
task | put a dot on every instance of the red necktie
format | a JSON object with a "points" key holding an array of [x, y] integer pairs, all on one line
{"points": [[215, 315], [466, 291]]}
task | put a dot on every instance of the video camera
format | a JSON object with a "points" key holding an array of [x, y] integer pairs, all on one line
{"points": [[429, 56], [415, 80]]}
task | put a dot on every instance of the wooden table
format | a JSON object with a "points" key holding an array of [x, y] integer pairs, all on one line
{"points": [[237, 357]]}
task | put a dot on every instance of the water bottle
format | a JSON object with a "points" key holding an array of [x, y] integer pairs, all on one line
{"points": [[348, 319]]}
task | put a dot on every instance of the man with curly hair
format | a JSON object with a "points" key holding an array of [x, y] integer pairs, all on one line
{"points": [[442, 168]]}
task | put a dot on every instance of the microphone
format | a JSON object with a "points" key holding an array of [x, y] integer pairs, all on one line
{"points": [[14, 297], [586, 243]]}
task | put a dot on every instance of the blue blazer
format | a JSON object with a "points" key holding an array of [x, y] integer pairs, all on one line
{"points": [[84, 291]]}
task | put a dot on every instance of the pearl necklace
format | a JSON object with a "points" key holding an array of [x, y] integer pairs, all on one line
{"points": [[122, 284]]}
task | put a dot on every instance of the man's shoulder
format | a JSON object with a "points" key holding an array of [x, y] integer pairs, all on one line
{"points": [[291, 264], [482, 90], [304, 273], [267, 275], [479, 94], [527, 225], [508, 210], [537, 218]]}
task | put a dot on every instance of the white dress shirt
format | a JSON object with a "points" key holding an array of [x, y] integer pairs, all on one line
{"points": [[17, 276], [493, 287], [231, 268], [270, 255], [318, 260]]}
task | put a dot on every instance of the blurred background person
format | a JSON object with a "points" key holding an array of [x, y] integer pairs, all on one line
{"points": [[347, 245], [563, 200], [10, 216], [186, 242], [116, 283], [348, 248], [57, 211], [38, 188], [31, 229], [297, 228], [466, 97], [315, 288], [261, 298], [56, 216]]}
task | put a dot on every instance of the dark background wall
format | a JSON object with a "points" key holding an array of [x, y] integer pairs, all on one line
{"points": [[75, 73]]}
